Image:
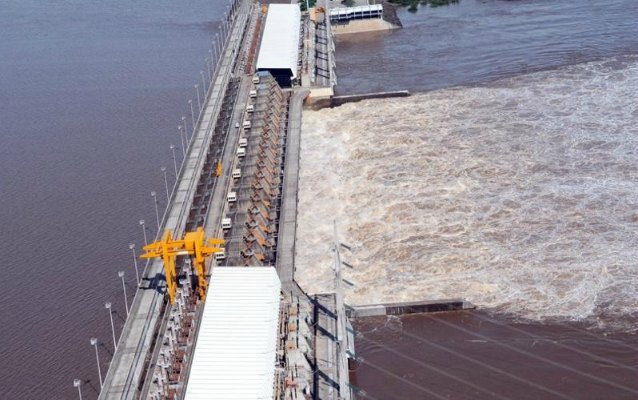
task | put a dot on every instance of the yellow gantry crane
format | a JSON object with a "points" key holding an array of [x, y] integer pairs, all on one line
{"points": [[195, 245], [218, 169]]}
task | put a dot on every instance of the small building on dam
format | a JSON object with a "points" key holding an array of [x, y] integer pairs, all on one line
{"points": [[279, 50]]}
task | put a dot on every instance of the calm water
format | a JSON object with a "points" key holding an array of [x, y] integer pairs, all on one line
{"points": [[90, 98], [476, 355], [482, 40]]}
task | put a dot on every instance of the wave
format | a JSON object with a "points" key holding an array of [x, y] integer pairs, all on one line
{"points": [[519, 196]]}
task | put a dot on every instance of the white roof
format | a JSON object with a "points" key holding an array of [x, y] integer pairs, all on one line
{"points": [[280, 41], [358, 9], [236, 347]]}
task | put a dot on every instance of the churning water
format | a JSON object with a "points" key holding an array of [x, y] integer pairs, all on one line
{"points": [[519, 196]]}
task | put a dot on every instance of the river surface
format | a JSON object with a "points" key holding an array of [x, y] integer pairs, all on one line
{"points": [[519, 195], [90, 98], [509, 182], [91, 93], [481, 40]]}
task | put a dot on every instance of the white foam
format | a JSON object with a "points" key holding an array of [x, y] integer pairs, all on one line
{"points": [[521, 196]]}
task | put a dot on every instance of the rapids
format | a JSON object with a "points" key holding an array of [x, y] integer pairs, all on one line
{"points": [[519, 195]]}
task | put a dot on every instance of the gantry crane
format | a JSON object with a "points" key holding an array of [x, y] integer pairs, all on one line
{"points": [[195, 245]]}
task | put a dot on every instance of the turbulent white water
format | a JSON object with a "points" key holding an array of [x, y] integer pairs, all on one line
{"points": [[521, 195]]}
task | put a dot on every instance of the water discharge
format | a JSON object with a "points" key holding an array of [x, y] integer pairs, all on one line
{"points": [[519, 196]]}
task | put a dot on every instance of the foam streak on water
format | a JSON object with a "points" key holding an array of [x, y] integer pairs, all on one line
{"points": [[521, 196]]}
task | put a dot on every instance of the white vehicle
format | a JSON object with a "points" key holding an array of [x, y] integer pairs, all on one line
{"points": [[241, 152], [220, 255], [256, 79], [226, 223], [243, 142], [247, 125], [236, 173], [253, 94], [232, 197], [250, 108]]}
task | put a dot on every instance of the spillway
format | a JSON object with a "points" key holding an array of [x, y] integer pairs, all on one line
{"points": [[518, 195]]}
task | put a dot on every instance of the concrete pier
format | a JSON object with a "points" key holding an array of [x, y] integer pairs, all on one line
{"points": [[288, 216], [411, 307]]}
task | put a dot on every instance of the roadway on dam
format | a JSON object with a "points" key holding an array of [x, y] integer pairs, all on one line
{"points": [[135, 344]]}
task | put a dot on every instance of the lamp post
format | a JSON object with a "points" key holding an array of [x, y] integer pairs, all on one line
{"points": [[190, 103], [218, 45], [121, 275], [97, 357], [78, 383], [144, 231], [203, 81], [181, 138], [172, 147], [213, 45], [199, 103], [168, 196], [107, 305], [212, 71], [154, 196], [183, 118], [208, 61], [137, 274]]}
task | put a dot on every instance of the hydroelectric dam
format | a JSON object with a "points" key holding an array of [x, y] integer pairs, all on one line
{"points": [[223, 317], [217, 312]]}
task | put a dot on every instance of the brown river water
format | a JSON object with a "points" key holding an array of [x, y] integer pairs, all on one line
{"points": [[90, 98], [510, 182]]}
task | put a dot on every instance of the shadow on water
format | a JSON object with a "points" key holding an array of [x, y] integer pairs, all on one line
{"points": [[470, 355]]}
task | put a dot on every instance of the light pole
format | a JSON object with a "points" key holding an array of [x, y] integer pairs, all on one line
{"points": [[137, 274], [210, 52], [207, 68], [203, 81], [121, 275], [181, 138], [77, 383], [172, 147], [97, 357], [107, 305], [154, 196], [199, 103], [213, 45], [144, 231], [222, 28], [183, 118], [168, 196], [190, 103], [217, 43]]}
